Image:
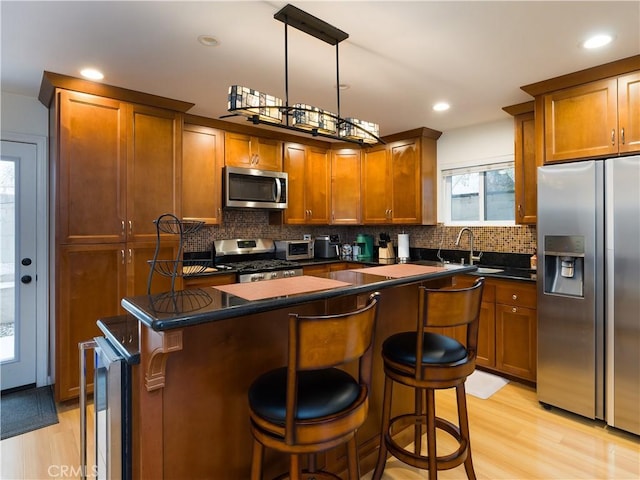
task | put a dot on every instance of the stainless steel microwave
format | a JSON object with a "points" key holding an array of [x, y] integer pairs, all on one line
{"points": [[251, 188]]}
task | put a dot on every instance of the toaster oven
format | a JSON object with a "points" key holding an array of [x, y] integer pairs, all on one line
{"points": [[294, 249]]}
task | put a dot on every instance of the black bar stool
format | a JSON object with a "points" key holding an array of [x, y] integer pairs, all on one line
{"points": [[444, 363], [310, 406]]}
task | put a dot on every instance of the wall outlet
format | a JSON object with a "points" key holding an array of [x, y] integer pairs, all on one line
{"points": [[306, 236]]}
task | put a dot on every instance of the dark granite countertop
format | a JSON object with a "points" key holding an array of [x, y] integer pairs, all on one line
{"points": [[122, 333], [191, 307]]}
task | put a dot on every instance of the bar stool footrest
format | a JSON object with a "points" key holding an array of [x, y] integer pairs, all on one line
{"points": [[318, 475], [417, 460]]}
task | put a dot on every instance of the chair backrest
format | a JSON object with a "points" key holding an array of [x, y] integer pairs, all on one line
{"points": [[443, 308], [319, 342], [324, 341]]}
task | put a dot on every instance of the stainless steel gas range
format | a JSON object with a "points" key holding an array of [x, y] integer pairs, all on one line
{"points": [[253, 260]]}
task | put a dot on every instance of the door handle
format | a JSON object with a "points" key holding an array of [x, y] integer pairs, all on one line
{"points": [[26, 279], [26, 262]]}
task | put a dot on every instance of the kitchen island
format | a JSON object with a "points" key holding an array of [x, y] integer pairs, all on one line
{"points": [[201, 349]]}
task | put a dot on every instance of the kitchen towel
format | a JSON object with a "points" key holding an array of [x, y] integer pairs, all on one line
{"points": [[403, 245]]}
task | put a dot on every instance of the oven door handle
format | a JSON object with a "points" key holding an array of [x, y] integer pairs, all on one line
{"points": [[83, 347]]}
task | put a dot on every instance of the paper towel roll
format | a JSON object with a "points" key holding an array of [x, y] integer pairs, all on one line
{"points": [[403, 245]]}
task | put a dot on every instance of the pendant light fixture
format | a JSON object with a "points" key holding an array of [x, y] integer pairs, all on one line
{"points": [[262, 108]]}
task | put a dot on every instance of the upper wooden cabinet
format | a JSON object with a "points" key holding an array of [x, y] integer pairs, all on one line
{"points": [[247, 151], [525, 161], [309, 172], [593, 120], [202, 161], [117, 167], [346, 206], [375, 185], [592, 113], [91, 168], [629, 112], [581, 122], [399, 181], [153, 169]]}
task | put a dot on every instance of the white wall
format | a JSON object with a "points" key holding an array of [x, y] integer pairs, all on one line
{"points": [[475, 145], [22, 114]]}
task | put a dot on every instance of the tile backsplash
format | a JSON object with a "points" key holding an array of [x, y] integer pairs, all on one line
{"points": [[255, 223]]}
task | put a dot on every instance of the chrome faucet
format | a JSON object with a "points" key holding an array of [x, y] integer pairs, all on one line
{"points": [[472, 257]]}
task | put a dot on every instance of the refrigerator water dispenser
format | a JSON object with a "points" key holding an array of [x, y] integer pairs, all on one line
{"points": [[564, 265]]}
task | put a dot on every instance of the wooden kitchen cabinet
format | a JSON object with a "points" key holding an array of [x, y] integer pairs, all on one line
{"points": [[597, 119], [629, 112], [202, 161], [399, 180], [516, 329], [248, 151], [90, 169], [507, 334], [203, 281], [115, 167], [525, 162], [375, 185], [153, 169], [309, 173], [346, 207], [91, 282]]}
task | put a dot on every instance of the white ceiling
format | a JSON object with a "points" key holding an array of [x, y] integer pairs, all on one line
{"points": [[399, 59]]}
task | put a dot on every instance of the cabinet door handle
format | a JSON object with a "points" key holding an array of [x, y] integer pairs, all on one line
{"points": [[514, 310], [519, 209], [613, 136], [123, 228], [622, 136], [514, 297], [130, 227], [122, 256], [130, 256]]}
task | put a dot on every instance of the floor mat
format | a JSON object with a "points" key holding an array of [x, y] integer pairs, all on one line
{"points": [[482, 384], [27, 410]]}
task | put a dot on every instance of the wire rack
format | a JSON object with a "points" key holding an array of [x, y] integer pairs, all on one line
{"points": [[183, 301], [177, 267]]}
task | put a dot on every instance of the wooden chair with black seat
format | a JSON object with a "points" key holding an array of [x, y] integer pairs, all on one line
{"points": [[310, 406], [444, 363]]}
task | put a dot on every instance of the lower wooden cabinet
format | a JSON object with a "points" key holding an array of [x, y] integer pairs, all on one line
{"points": [[516, 341], [507, 335], [92, 280], [209, 280]]}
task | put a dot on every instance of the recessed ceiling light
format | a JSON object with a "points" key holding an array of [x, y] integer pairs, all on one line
{"points": [[208, 40], [91, 74], [441, 106], [597, 41]]}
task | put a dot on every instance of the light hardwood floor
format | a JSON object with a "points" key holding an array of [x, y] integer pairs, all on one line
{"points": [[513, 438]]}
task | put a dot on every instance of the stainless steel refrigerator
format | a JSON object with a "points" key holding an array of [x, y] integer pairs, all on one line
{"points": [[589, 289]]}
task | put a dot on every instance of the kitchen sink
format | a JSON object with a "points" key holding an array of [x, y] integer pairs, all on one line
{"points": [[489, 270]]}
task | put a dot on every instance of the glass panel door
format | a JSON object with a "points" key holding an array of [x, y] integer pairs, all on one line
{"points": [[18, 263]]}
